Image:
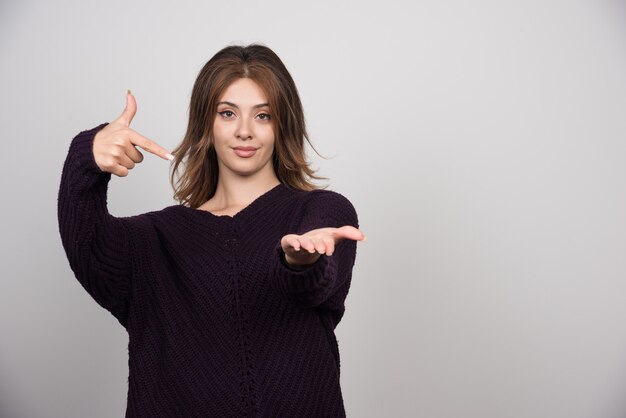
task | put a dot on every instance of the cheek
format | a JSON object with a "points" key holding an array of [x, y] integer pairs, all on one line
{"points": [[220, 131], [268, 134]]}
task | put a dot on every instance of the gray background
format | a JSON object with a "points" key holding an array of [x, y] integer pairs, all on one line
{"points": [[482, 143]]}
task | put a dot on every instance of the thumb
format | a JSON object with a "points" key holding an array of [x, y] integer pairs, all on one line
{"points": [[350, 232], [129, 111]]}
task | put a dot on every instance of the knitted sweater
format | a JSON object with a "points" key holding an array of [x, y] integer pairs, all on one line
{"points": [[218, 324]]}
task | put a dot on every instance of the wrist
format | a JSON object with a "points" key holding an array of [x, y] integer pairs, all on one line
{"points": [[299, 264]]}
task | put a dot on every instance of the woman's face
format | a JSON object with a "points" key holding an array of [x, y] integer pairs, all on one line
{"points": [[243, 121]]}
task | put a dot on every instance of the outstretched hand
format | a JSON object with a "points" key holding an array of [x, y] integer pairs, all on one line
{"points": [[305, 249], [114, 145]]}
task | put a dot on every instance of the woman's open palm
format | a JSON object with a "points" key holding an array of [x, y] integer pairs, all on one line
{"points": [[315, 243], [114, 145]]}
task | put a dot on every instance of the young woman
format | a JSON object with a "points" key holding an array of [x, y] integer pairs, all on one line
{"points": [[231, 297]]}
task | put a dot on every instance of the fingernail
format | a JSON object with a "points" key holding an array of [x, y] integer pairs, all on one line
{"points": [[169, 157], [364, 238], [128, 91]]}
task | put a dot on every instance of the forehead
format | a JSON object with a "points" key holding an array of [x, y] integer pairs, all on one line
{"points": [[244, 91]]}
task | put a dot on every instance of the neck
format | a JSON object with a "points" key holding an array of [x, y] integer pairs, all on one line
{"points": [[234, 191]]}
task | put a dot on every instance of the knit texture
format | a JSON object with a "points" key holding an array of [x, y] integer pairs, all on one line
{"points": [[218, 324]]}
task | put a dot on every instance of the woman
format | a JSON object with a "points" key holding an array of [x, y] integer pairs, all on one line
{"points": [[230, 298]]}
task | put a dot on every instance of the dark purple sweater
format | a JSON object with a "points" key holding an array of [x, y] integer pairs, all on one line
{"points": [[218, 324]]}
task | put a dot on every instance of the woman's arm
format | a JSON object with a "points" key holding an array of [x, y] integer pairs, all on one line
{"points": [[99, 245], [325, 283], [95, 242]]}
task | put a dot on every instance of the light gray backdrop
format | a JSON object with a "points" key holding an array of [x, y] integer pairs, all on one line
{"points": [[482, 143]]}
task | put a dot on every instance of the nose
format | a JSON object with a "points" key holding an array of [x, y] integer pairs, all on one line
{"points": [[243, 130]]}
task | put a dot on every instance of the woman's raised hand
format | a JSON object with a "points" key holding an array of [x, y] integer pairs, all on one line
{"points": [[315, 243], [114, 145]]}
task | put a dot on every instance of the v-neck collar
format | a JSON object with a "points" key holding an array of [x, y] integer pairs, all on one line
{"points": [[205, 214]]}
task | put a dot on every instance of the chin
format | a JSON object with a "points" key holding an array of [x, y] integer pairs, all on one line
{"points": [[246, 167], [244, 170]]}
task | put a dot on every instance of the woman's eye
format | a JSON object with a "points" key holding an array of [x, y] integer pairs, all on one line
{"points": [[229, 114], [224, 113]]}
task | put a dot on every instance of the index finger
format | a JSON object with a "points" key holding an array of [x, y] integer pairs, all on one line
{"points": [[150, 146]]}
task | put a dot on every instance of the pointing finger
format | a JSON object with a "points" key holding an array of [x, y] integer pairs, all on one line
{"points": [[150, 146]]}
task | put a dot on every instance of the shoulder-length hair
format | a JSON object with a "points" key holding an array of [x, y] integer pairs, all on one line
{"points": [[198, 181]]}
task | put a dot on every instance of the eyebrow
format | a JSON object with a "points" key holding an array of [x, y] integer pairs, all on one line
{"points": [[234, 105]]}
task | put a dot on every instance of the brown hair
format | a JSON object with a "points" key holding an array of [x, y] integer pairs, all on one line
{"points": [[198, 181]]}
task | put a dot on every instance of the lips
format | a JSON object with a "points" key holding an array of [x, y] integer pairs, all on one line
{"points": [[245, 152]]}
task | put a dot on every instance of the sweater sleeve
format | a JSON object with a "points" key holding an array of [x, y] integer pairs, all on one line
{"points": [[324, 284], [95, 242]]}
